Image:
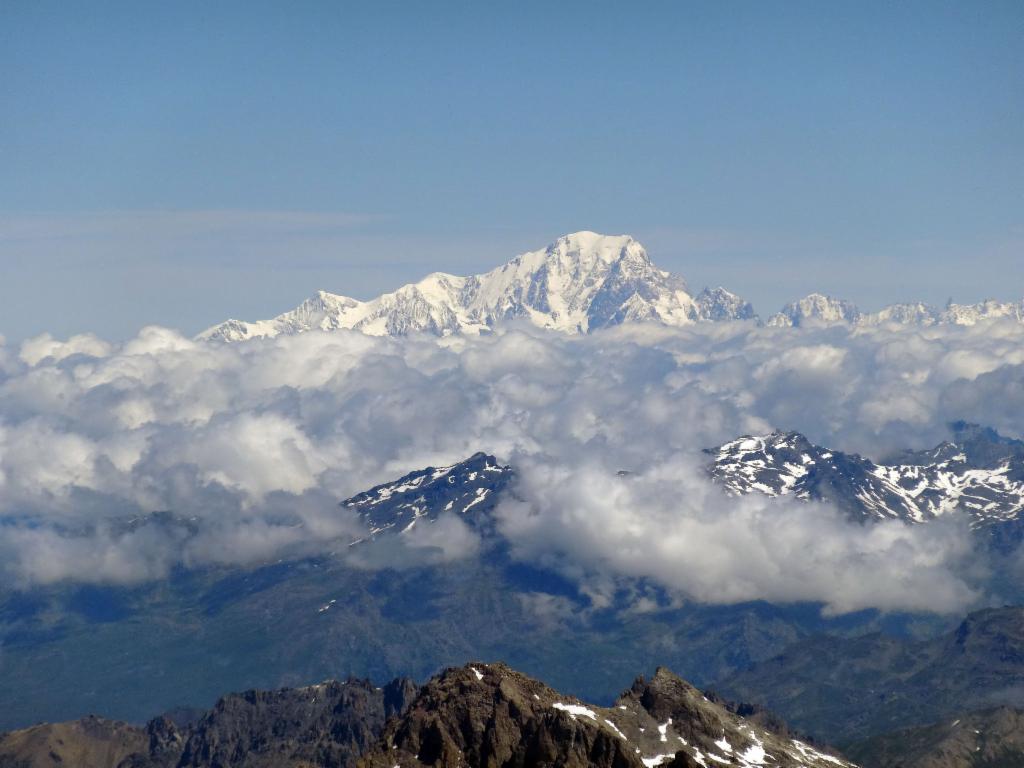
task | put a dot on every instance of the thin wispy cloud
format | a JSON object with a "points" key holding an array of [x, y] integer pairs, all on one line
{"points": [[124, 227]]}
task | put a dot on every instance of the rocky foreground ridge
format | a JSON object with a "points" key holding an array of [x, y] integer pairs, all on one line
{"points": [[476, 715]]}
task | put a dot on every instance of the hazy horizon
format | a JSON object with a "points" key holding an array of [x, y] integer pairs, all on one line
{"points": [[183, 165]]}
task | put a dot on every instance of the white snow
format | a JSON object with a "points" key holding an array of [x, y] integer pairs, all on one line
{"points": [[575, 709], [754, 754], [807, 752], [615, 728]]}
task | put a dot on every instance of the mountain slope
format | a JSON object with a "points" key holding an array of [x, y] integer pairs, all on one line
{"points": [[979, 472], [848, 688], [579, 283], [992, 738], [92, 742], [468, 489]]}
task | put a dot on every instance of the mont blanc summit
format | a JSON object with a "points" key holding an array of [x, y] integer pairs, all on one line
{"points": [[579, 283]]}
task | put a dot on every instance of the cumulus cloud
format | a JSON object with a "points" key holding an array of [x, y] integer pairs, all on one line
{"points": [[668, 525], [256, 443]]}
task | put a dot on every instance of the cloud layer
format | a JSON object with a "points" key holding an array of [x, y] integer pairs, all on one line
{"points": [[251, 446]]}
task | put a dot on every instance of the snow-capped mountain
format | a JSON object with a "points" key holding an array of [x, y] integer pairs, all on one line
{"points": [[826, 310], [979, 473], [468, 489], [579, 283]]}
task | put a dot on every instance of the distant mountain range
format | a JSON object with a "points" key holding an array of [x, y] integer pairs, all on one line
{"points": [[476, 715], [580, 283], [821, 309], [133, 651]]}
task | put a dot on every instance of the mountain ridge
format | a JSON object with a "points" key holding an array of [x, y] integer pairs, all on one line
{"points": [[979, 472], [818, 308], [479, 714], [582, 282]]}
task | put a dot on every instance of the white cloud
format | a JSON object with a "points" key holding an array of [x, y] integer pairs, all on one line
{"points": [[667, 524], [259, 441], [41, 347]]}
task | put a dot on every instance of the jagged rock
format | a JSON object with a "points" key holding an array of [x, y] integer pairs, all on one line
{"points": [[491, 715], [479, 715]]}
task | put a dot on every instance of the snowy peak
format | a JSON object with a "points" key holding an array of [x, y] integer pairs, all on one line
{"points": [[971, 314], [468, 489], [720, 304], [815, 308], [917, 313], [579, 283], [980, 473], [588, 247]]}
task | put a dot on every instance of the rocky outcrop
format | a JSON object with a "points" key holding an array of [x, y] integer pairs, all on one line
{"points": [[491, 715], [327, 725]]}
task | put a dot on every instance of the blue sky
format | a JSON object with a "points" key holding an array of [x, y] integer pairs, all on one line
{"points": [[178, 163]]}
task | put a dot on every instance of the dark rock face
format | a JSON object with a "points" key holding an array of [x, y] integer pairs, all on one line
{"points": [[490, 715], [480, 715], [327, 725], [992, 738], [845, 689]]}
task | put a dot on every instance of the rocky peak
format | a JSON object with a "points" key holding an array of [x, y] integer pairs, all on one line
{"points": [[581, 282], [491, 715], [468, 489], [720, 304], [816, 308]]}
